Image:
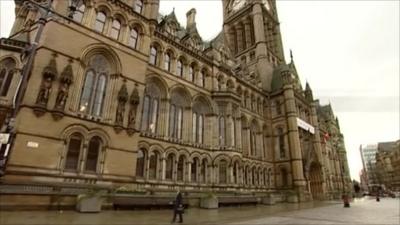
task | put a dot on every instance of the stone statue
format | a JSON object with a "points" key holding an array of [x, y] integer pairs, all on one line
{"points": [[62, 96], [122, 98], [44, 92], [134, 102]]}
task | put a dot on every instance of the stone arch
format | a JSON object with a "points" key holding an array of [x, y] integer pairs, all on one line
{"points": [[139, 25], [121, 16], [104, 7], [159, 82], [105, 51], [220, 157]]}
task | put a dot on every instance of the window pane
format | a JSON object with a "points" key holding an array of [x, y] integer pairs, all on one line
{"points": [[200, 130], [181, 164], [153, 166], [6, 85], [133, 38], [146, 112], [100, 22], [194, 129], [153, 56], [99, 96], [191, 73], [116, 26], [167, 62], [194, 170], [172, 121], [78, 15], [87, 92], [93, 154], [153, 124], [203, 171], [74, 148], [140, 164], [222, 172], [222, 131], [169, 167], [2, 76], [201, 79], [138, 6], [179, 122]]}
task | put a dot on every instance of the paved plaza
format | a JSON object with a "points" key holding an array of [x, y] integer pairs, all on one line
{"points": [[362, 211]]}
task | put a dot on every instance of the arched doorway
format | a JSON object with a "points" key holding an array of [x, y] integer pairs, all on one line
{"points": [[316, 181]]}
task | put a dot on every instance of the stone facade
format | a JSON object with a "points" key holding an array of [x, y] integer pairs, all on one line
{"points": [[122, 96]]}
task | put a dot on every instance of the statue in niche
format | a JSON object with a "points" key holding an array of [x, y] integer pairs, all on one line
{"points": [[44, 92], [134, 102], [65, 82], [122, 98]]}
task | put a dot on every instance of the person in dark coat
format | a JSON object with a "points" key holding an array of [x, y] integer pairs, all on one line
{"points": [[178, 207]]}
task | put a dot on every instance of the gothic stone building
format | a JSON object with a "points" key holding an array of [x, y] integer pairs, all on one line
{"points": [[122, 97]]}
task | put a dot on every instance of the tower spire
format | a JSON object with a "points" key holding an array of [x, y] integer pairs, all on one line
{"points": [[291, 55]]}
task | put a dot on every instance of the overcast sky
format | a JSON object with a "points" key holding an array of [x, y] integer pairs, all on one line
{"points": [[347, 50]]}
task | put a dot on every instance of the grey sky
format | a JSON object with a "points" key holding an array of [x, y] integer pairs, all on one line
{"points": [[347, 50]]}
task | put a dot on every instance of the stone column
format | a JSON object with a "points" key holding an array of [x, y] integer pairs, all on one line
{"points": [[189, 171], [163, 166], [293, 133]]}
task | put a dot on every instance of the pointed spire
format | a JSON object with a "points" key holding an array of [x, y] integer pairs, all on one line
{"points": [[308, 92], [291, 55]]}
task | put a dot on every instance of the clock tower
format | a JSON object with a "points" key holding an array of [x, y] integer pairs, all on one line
{"points": [[253, 36]]}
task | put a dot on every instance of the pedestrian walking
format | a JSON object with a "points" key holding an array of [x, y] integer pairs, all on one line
{"points": [[346, 200], [377, 197], [178, 207]]}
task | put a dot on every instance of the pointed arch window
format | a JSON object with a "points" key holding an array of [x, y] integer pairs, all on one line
{"points": [[100, 22], [194, 166], [7, 67], [115, 29], [179, 68], [176, 120], [138, 6], [223, 166], [167, 62], [201, 80], [253, 140], [198, 127], [181, 168], [169, 167], [150, 108], [73, 153], [154, 158], [153, 55], [133, 38], [203, 171], [222, 131], [92, 156], [94, 88], [191, 74], [78, 14], [140, 163]]}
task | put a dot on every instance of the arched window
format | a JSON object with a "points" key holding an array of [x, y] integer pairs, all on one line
{"points": [[223, 166], [176, 119], [151, 108], [235, 173], [133, 38], [246, 175], [167, 62], [100, 22], [153, 165], [7, 67], [179, 68], [94, 89], [201, 79], [74, 149], [222, 135], [181, 168], [198, 127], [194, 166], [78, 14], [138, 7], [191, 73], [281, 140], [153, 55], [203, 171], [278, 108], [92, 156], [169, 170], [253, 140], [140, 163], [115, 29]]}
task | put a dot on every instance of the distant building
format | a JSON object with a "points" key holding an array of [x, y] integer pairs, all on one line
{"points": [[368, 153], [387, 164]]}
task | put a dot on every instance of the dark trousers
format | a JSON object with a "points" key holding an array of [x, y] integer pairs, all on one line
{"points": [[180, 216]]}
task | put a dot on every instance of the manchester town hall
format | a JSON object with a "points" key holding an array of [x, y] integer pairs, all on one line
{"points": [[122, 99]]}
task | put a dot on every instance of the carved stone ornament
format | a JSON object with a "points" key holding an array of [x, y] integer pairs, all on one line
{"points": [[134, 102], [62, 95], [48, 76], [122, 99]]}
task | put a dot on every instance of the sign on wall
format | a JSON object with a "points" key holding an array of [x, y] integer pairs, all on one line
{"points": [[305, 126]]}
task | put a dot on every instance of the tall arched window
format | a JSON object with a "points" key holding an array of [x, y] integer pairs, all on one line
{"points": [[94, 89], [153, 55], [115, 29], [169, 169], [191, 73], [201, 79], [167, 62], [222, 131], [100, 22], [253, 140], [223, 166], [281, 140], [194, 166], [179, 68], [73, 153], [138, 7], [203, 171], [198, 127], [181, 168], [235, 173], [153, 165], [78, 14], [176, 119], [151, 108], [133, 38], [92, 155], [140, 163], [7, 67]]}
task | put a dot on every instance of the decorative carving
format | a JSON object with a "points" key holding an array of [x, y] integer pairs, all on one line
{"points": [[49, 74], [62, 95], [122, 99]]}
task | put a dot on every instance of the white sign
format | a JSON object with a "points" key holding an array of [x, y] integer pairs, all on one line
{"points": [[304, 125], [4, 137], [32, 144]]}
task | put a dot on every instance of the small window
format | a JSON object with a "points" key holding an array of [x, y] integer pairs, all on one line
{"points": [[100, 22], [223, 172], [153, 55], [201, 79], [167, 62], [191, 73], [7, 67], [138, 7], [73, 153], [78, 15], [179, 68], [169, 167], [133, 38], [93, 154], [115, 29], [181, 168], [140, 163]]}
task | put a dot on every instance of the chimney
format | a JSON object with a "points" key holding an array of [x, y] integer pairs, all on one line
{"points": [[191, 18]]}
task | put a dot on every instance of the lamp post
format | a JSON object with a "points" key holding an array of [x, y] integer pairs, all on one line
{"points": [[28, 55]]}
